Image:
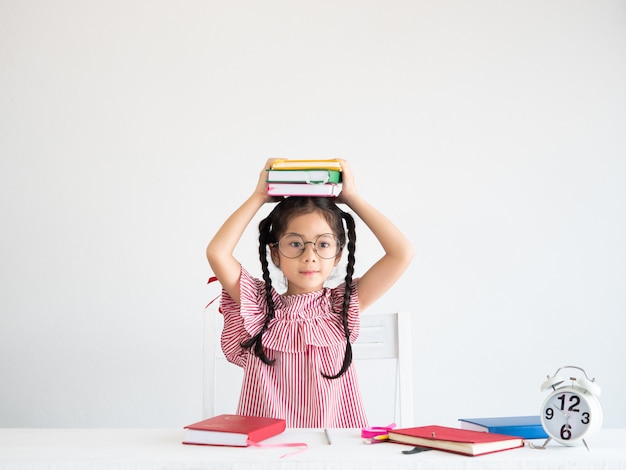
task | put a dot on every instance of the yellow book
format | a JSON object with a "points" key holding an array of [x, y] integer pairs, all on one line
{"points": [[312, 164]]}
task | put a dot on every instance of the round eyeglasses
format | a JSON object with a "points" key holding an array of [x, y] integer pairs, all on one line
{"points": [[292, 245]]}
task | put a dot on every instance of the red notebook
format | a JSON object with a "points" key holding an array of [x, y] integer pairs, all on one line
{"points": [[232, 430], [460, 441]]}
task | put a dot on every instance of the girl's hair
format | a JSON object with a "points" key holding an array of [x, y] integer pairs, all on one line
{"points": [[270, 230]]}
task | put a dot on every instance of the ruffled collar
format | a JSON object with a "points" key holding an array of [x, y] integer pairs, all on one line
{"points": [[303, 305], [309, 298]]}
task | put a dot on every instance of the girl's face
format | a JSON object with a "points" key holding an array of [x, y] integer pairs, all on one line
{"points": [[308, 271]]}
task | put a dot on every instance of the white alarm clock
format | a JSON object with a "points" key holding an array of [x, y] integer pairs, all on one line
{"points": [[571, 412]]}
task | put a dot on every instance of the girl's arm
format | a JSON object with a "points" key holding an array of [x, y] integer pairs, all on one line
{"points": [[220, 250], [398, 249]]}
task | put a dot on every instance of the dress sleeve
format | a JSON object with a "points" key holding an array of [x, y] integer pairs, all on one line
{"points": [[234, 332]]}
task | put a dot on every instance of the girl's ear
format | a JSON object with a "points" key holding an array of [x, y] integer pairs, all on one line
{"points": [[274, 255], [338, 257]]}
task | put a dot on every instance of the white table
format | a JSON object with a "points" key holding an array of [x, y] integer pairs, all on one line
{"points": [[126, 449]]}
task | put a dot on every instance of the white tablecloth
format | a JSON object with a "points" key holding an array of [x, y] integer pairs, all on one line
{"points": [[97, 449]]}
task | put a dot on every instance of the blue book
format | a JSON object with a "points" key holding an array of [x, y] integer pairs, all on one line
{"points": [[527, 427]]}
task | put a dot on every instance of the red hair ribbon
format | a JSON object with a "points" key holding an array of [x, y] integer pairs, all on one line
{"points": [[212, 279]]}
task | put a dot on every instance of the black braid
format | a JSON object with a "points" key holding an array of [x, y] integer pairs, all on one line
{"points": [[347, 360], [255, 341]]}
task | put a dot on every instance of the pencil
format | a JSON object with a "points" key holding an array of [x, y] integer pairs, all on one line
{"points": [[328, 441], [376, 439]]}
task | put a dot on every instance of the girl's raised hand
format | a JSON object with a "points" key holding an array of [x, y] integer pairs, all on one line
{"points": [[261, 187], [348, 190]]}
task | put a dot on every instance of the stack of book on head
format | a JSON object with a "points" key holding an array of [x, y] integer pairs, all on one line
{"points": [[304, 178], [459, 441]]}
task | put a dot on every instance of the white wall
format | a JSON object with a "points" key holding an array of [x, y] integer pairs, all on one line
{"points": [[491, 132]]}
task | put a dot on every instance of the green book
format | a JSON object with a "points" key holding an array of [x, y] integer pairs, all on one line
{"points": [[304, 176]]}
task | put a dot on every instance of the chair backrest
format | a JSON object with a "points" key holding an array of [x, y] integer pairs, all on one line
{"points": [[382, 356]]}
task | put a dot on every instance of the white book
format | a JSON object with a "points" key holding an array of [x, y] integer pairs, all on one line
{"points": [[304, 189]]}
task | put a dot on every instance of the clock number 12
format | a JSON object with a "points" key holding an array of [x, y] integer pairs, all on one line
{"points": [[573, 398]]}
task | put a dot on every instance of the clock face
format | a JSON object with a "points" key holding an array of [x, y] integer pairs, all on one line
{"points": [[569, 415]]}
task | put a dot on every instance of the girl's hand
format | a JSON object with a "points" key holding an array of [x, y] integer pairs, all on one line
{"points": [[261, 187], [348, 190]]}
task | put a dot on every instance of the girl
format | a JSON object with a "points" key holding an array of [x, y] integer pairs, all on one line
{"points": [[295, 347]]}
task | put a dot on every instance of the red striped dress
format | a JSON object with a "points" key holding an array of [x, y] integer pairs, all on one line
{"points": [[305, 338]]}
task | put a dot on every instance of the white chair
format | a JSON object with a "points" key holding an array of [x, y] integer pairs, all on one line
{"points": [[382, 356], [222, 380]]}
